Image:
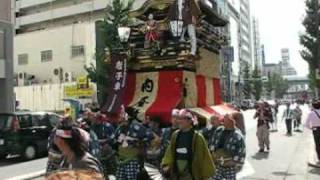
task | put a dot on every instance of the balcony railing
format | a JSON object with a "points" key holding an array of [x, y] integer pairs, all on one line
{"points": [[82, 8], [172, 54]]}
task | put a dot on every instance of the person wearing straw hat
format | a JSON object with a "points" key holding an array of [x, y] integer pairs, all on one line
{"points": [[228, 149], [187, 156], [189, 12]]}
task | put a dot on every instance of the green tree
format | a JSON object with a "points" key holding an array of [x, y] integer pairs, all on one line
{"points": [[256, 84], [310, 39], [277, 84], [246, 82], [108, 40], [280, 85], [268, 86]]}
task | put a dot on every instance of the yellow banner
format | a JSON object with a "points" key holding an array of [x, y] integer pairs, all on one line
{"points": [[82, 80], [73, 91]]}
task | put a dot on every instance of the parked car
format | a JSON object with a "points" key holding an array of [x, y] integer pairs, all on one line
{"points": [[26, 133]]}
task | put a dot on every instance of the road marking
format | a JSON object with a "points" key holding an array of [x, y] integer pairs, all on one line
{"points": [[28, 176], [247, 170]]}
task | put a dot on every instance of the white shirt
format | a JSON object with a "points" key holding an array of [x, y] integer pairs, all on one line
{"points": [[313, 120], [180, 8]]}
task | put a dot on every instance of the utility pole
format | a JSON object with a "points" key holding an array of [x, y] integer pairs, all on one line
{"points": [[6, 57], [240, 63], [318, 47]]}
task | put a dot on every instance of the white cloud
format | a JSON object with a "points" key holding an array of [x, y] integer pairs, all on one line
{"points": [[280, 24]]}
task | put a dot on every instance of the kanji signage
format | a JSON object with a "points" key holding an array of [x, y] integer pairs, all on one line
{"points": [[118, 76]]}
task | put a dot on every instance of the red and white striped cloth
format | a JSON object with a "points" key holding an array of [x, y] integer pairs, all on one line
{"points": [[157, 93]]}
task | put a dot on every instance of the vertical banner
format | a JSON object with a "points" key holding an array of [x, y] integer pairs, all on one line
{"points": [[118, 76]]}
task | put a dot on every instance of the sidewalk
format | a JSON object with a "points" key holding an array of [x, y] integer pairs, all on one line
{"points": [[288, 158]]}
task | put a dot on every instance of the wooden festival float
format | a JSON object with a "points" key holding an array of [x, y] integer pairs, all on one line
{"points": [[163, 76]]}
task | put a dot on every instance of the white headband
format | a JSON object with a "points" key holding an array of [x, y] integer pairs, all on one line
{"points": [[63, 133]]}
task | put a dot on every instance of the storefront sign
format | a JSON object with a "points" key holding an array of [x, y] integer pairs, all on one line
{"points": [[74, 91]]}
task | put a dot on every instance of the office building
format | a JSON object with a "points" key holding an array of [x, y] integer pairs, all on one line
{"points": [[240, 40], [286, 68], [55, 39], [257, 55]]}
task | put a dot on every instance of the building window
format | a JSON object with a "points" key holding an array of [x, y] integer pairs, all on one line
{"points": [[77, 51], [22, 59], [46, 56]]}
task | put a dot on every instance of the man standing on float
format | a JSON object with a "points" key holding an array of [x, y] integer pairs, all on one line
{"points": [[188, 11]]}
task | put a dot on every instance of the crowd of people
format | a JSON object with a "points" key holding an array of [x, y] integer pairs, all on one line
{"points": [[267, 121], [313, 123], [100, 147]]}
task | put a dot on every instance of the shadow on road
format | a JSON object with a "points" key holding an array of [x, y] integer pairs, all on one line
{"points": [[260, 156], [280, 173], [10, 161], [315, 171], [13, 160]]}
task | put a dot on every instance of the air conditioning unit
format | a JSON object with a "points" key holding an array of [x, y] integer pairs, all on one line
{"points": [[68, 76], [56, 71]]}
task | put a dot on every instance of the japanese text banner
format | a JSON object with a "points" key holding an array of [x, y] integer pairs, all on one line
{"points": [[118, 76]]}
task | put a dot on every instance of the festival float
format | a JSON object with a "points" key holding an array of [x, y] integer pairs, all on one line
{"points": [[161, 72]]}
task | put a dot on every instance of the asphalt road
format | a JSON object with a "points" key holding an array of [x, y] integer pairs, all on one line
{"points": [[14, 168], [287, 159], [289, 155]]}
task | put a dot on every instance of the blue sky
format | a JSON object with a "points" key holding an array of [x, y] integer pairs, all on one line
{"points": [[280, 25]]}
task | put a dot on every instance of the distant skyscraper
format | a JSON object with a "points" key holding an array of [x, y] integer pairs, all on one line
{"points": [[257, 59], [240, 29], [285, 56], [245, 32], [286, 68]]}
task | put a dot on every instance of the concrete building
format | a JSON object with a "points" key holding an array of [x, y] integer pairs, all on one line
{"points": [[269, 69], [55, 39], [283, 68], [257, 58], [298, 87], [6, 64], [240, 39], [286, 68]]}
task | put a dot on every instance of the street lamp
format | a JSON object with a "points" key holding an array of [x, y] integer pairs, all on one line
{"points": [[176, 27], [124, 34]]}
